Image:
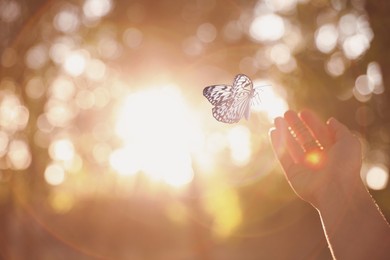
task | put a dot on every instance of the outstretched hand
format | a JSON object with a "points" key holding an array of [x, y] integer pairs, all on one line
{"points": [[337, 166]]}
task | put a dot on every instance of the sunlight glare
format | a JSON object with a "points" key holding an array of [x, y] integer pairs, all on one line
{"points": [[126, 161], [240, 145], [214, 144], [159, 136], [272, 102]]}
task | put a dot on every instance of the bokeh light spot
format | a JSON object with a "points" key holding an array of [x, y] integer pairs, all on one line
{"points": [[19, 155], [13, 116], [354, 46], [326, 38], [280, 54], [282, 5], [62, 88], [61, 150], [35, 87], [61, 49], [75, 63], [377, 177], [54, 174], [66, 21], [206, 32], [375, 78], [192, 46], [59, 113], [37, 56], [232, 31], [9, 11], [96, 70], [363, 85], [269, 27], [132, 37], [95, 9], [4, 139], [335, 66]]}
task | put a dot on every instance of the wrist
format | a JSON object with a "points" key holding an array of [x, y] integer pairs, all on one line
{"points": [[341, 194]]}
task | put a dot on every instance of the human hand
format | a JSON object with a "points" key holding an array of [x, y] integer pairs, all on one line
{"points": [[335, 171]]}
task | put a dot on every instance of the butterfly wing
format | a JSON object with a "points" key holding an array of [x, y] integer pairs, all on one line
{"points": [[221, 96], [231, 103], [218, 94], [223, 112], [242, 94]]}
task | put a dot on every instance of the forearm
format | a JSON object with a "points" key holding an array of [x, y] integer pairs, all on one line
{"points": [[354, 226]]}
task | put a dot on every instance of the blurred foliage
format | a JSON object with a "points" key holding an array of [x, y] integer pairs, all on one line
{"points": [[69, 191]]}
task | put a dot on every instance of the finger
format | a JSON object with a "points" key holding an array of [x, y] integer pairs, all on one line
{"points": [[301, 132], [292, 146], [317, 127], [342, 135], [280, 147], [337, 129]]}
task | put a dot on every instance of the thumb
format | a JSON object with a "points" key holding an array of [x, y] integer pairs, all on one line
{"points": [[337, 130]]}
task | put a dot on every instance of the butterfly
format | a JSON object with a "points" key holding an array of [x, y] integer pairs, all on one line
{"points": [[232, 102]]}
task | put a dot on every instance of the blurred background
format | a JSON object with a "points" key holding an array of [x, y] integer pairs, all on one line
{"points": [[108, 149]]}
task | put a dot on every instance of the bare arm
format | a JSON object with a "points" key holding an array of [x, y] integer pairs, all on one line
{"points": [[353, 224]]}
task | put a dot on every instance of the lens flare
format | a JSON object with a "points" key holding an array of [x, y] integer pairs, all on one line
{"points": [[315, 158]]}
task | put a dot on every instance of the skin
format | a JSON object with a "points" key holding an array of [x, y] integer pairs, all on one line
{"points": [[353, 224]]}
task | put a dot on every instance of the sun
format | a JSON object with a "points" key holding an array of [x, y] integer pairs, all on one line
{"points": [[159, 134]]}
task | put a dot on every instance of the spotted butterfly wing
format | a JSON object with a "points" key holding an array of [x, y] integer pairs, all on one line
{"points": [[242, 92], [218, 94], [231, 103]]}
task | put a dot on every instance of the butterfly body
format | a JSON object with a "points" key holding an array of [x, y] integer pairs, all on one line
{"points": [[231, 102]]}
